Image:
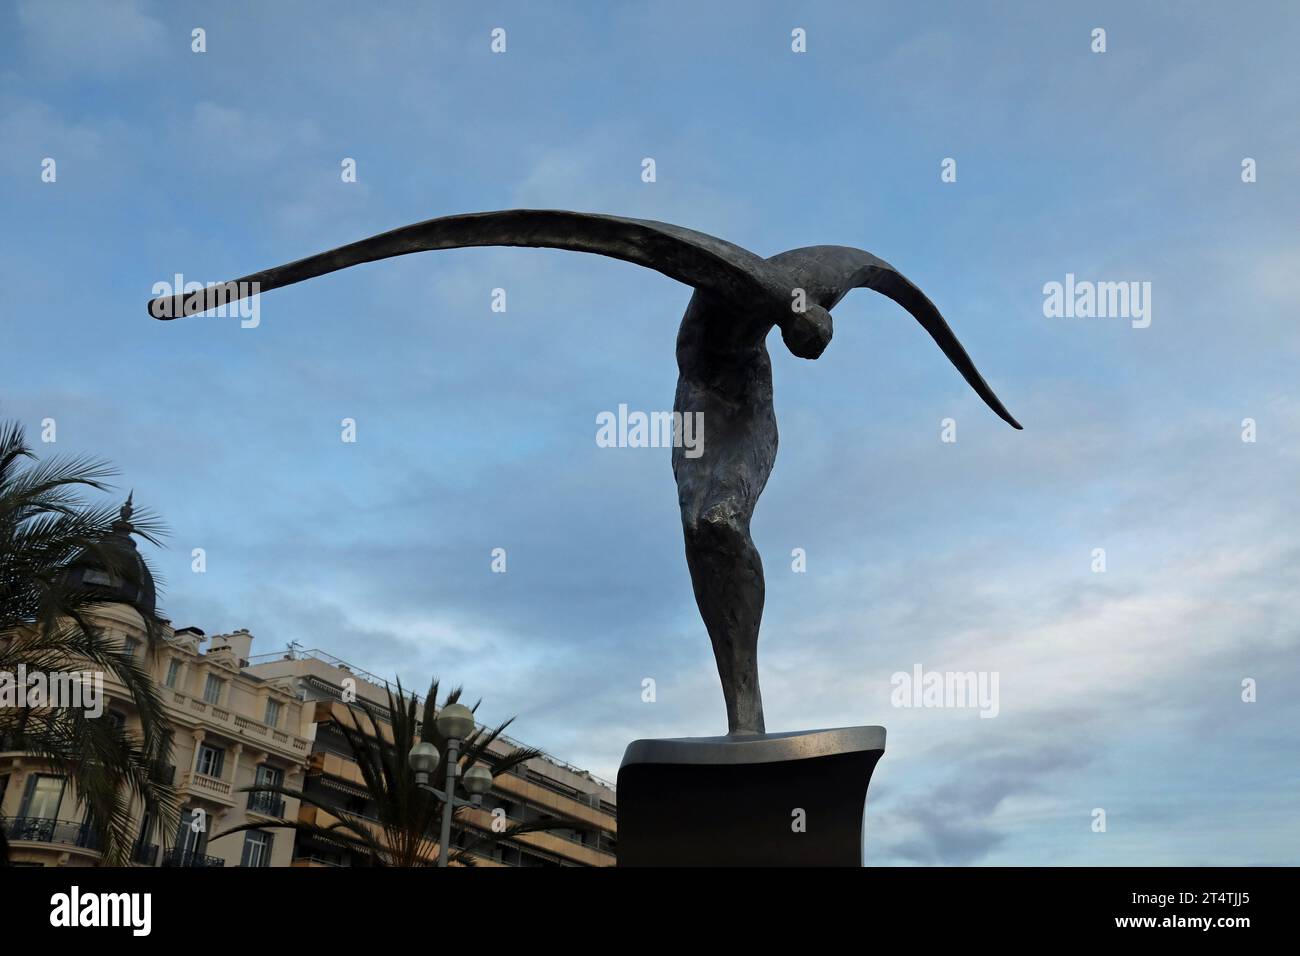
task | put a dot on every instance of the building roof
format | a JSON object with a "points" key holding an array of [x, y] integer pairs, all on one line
{"points": [[113, 569]]}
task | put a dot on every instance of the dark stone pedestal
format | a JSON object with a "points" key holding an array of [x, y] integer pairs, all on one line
{"points": [[731, 801]]}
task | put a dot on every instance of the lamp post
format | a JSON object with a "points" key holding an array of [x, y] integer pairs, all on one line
{"points": [[455, 723]]}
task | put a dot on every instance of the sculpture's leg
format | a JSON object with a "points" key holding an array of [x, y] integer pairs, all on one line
{"points": [[727, 575]]}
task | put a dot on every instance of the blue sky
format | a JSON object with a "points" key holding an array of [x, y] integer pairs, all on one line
{"points": [[475, 430]]}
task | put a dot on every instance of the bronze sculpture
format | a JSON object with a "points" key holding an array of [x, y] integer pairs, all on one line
{"points": [[724, 372]]}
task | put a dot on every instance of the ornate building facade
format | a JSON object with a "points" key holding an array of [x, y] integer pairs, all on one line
{"points": [[236, 721]]}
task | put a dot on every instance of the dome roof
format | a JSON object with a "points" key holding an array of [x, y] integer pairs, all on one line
{"points": [[115, 571]]}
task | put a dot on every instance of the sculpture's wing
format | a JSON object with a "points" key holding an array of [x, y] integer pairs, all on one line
{"points": [[829, 272], [699, 260]]}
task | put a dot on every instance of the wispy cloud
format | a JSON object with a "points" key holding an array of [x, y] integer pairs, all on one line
{"points": [[1119, 690]]}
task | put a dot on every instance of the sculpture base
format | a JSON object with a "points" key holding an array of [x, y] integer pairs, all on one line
{"points": [[735, 801]]}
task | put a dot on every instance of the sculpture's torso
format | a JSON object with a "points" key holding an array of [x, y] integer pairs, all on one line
{"points": [[726, 374]]}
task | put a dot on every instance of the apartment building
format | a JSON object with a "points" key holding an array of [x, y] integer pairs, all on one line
{"points": [[230, 729], [541, 787], [237, 721]]}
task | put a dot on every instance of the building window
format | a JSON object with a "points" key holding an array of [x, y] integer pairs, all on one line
{"points": [[210, 760], [130, 646], [192, 838], [43, 798], [267, 802], [144, 851], [257, 849], [212, 689], [272, 713], [268, 776], [173, 672]]}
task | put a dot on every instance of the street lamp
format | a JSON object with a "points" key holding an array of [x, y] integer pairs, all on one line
{"points": [[424, 759], [478, 781], [455, 723]]}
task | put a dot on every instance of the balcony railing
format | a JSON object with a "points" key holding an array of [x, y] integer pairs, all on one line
{"points": [[603, 844], [380, 711], [267, 804], [177, 856], [238, 724], [145, 853], [45, 830], [207, 786]]}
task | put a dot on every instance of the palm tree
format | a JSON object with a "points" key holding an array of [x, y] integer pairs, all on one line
{"points": [[404, 830], [48, 534]]}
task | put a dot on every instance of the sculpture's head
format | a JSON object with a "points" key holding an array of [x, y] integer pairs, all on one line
{"points": [[813, 281], [806, 334]]}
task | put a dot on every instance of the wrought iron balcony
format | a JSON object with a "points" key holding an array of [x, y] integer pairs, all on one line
{"points": [[177, 856], [46, 830], [267, 804], [145, 853]]}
